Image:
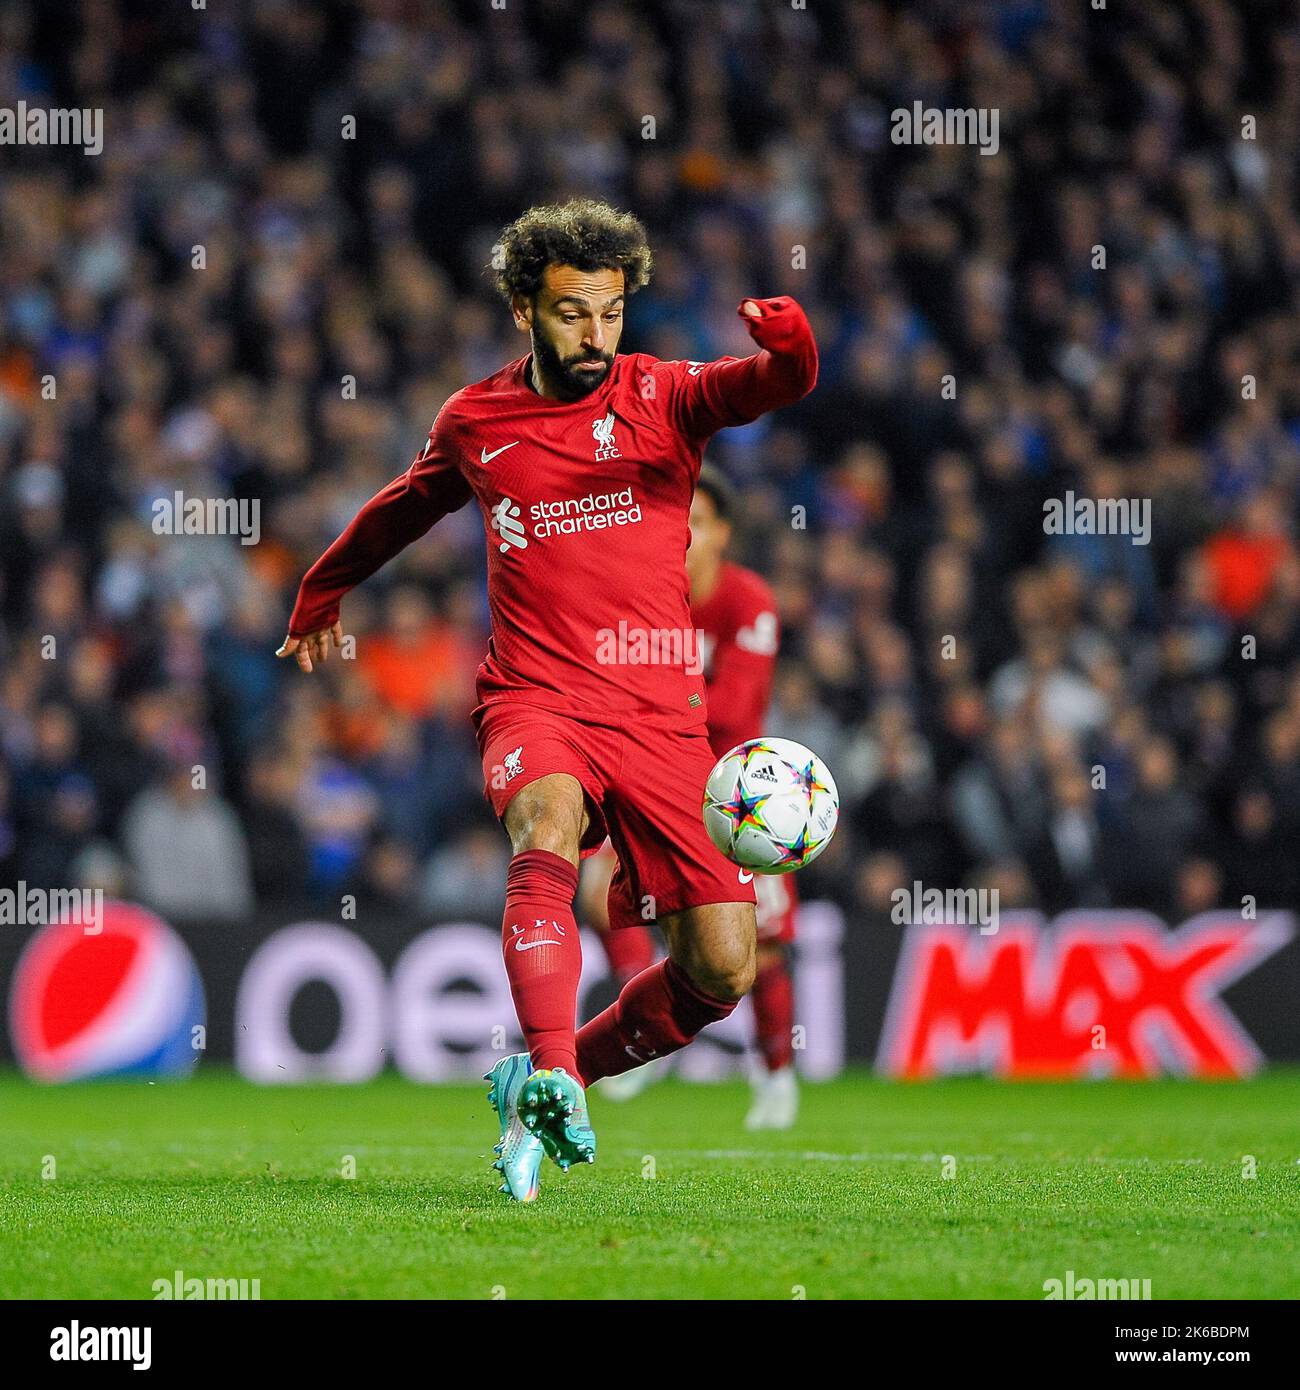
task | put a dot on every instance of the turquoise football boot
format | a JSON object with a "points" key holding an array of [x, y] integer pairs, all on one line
{"points": [[519, 1150], [553, 1106]]}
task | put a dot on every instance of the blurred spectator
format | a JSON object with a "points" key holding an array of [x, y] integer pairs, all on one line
{"points": [[1067, 855], [1157, 827], [466, 876], [277, 848], [188, 853]]}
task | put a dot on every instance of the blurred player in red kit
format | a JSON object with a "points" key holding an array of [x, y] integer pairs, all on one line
{"points": [[591, 715], [734, 614]]}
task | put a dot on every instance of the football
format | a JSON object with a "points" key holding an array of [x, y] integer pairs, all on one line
{"points": [[771, 805]]}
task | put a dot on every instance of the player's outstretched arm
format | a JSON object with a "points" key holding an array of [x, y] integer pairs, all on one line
{"points": [[394, 517], [735, 390]]}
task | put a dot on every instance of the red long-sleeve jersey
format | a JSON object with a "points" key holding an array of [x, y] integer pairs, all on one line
{"points": [[739, 639], [584, 505]]}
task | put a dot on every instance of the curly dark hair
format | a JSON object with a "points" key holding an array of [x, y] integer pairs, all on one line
{"points": [[582, 232]]}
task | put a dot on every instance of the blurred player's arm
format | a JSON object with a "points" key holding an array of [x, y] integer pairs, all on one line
{"points": [[741, 686], [395, 516], [710, 396]]}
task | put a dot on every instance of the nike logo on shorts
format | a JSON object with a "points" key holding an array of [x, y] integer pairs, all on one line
{"points": [[744, 877]]}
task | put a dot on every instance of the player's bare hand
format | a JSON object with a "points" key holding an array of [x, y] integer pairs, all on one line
{"points": [[316, 645]]}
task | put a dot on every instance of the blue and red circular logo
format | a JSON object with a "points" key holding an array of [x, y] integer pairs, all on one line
{"points": [[124, 1000]]}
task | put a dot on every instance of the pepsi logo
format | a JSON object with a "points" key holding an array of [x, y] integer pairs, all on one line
{"points": [[123, 1000]]}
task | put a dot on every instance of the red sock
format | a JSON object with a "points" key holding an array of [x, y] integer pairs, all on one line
{"points": [[773, 997], [630, 950], [543, 955], [657, 1013]]}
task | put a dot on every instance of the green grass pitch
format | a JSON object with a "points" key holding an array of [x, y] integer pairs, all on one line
{"points": [[221, 1179]]}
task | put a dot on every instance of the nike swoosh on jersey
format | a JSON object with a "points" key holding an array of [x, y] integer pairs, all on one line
{"points": [[484, 456]]}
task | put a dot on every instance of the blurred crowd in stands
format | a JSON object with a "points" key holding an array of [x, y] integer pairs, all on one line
{"points": [[271, 278]]}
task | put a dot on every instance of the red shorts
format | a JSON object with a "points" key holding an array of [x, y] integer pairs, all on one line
{"points": [[774, 910], [644, 788]]}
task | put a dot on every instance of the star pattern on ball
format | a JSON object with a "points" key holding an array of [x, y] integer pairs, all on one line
{"points": [[796, 851], [743, 809], [811, 782]]}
